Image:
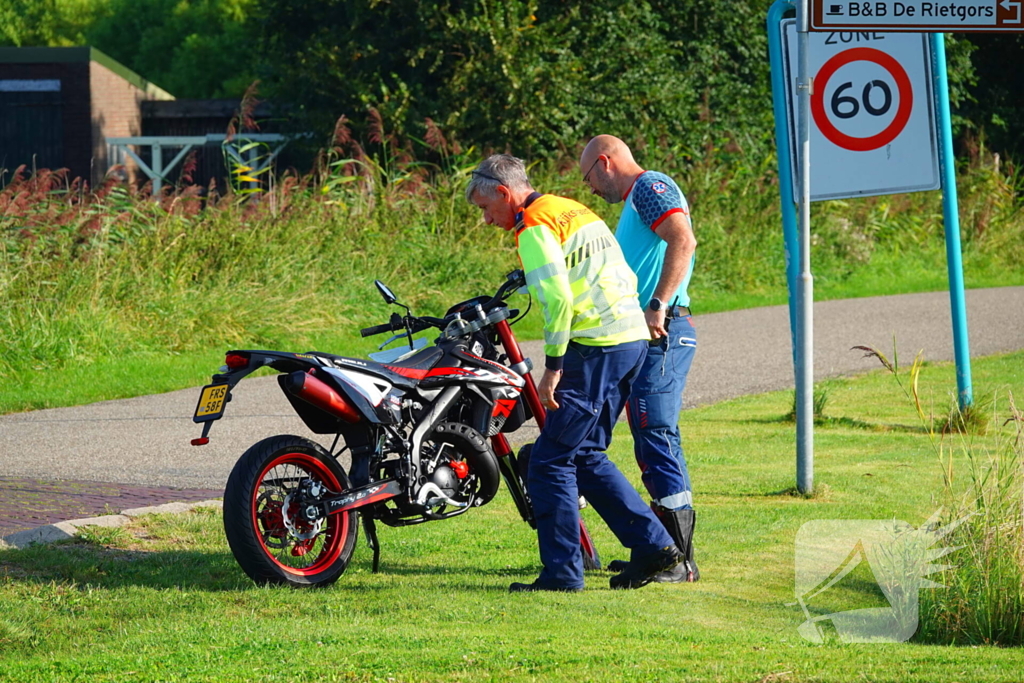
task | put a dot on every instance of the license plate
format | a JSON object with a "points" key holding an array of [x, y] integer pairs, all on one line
{"points": [[211, 402]]}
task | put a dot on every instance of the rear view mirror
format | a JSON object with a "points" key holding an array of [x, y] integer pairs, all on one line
{"points": [[389, 296]]}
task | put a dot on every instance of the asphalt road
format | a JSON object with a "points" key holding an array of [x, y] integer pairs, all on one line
{"points": [[145, 441]]}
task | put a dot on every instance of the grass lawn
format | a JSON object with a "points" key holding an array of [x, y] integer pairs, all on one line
{"points": [[163, 599]]}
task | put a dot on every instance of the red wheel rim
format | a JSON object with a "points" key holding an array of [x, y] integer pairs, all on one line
{"points": [[336, 529]]}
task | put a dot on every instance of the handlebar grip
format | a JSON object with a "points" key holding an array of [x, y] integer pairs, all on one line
{"points": [[376, 329]]}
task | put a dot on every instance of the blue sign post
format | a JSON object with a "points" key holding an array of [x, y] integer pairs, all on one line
{"points": [[951, 219], [789, 228]]}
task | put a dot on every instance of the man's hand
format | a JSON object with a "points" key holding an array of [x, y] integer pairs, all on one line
{"points": [[655, 323], [547, 388]]}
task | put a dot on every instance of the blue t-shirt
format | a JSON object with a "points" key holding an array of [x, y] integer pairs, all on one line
{"points": [[653, 198]]}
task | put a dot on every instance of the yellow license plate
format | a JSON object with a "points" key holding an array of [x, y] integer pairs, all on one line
{"points": [[211, 402]]}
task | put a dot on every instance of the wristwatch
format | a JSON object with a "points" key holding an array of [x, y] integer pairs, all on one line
{"points": [[656, 304]]}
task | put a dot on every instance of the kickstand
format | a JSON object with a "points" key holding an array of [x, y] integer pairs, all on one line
{"points": [[370, 527]]}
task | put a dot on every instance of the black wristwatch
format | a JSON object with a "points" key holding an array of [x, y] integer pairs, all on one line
{"points": [[656, 304]]}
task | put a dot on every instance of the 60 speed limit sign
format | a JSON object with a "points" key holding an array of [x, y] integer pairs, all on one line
{"points": [[872, 113]]}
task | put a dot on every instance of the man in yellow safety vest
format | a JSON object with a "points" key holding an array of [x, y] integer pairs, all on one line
{"points": [[595, 343]]}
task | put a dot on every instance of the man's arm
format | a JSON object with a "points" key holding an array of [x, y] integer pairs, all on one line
{"points": [[676, 231], [548, 280]]}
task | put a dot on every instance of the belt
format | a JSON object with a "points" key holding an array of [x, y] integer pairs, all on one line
{"points": [[677, 312]]}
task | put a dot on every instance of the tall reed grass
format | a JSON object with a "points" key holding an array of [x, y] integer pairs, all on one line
{"points": [[114, 274], [91, 273], [980, 598]]}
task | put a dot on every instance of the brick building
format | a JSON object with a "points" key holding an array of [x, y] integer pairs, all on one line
{"points": [[59, 104]]}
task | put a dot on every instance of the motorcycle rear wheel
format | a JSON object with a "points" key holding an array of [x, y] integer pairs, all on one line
{"points": [[271, 542]]}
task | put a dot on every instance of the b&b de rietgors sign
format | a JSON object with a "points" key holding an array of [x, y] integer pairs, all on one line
{"points": [[918, 15]]}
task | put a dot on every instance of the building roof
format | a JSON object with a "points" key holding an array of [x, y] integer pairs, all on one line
{"points": [[195, 109], [81, 55]]}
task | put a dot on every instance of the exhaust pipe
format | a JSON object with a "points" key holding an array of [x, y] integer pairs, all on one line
{"points": [[318, 393]]}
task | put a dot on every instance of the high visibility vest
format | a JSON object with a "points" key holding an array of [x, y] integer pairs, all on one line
{"points": [[576, 269]]}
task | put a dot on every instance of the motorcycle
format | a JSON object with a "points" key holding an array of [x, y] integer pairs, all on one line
{"points": [[425, 428]]}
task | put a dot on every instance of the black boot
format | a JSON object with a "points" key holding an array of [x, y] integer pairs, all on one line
{"points": [[641, 571], [680, 525]]}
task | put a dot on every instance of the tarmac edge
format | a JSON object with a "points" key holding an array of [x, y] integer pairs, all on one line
{"points": [[62, 531]]}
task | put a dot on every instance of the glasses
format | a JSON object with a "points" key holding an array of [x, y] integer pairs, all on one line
{"points": [[487, 177], [586, 175]]}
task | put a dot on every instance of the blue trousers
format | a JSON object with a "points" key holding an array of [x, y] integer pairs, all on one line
{"points": [[568, 460], [654, 405]]}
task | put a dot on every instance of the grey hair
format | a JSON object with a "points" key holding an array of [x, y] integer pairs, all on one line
{"points": [[495, 170]]}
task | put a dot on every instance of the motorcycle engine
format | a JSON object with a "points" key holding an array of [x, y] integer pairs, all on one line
{"points": [[445, 479]]}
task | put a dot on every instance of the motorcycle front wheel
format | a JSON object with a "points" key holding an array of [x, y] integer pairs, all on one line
{"points": [[269, 538]]}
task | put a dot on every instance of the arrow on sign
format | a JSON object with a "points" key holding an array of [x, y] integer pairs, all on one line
{"points": [[1007, 5]]}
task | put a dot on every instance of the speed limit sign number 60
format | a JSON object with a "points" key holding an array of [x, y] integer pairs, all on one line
{"points": [[872, 113]]}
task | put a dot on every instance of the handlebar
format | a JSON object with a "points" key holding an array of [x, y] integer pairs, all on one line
{"points": [[397, 324], [513, 281], [376, 329]]}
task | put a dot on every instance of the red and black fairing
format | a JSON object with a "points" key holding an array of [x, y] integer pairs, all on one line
{"points": [[491, 393]]}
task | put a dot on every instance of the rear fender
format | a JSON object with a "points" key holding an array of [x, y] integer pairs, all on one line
{"points": [[281, 361]]}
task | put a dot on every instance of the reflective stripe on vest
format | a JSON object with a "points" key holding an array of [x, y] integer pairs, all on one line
{"points": [[577, 271]]}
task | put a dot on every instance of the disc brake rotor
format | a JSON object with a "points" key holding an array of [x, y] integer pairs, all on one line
{"points": [[299, 528]]}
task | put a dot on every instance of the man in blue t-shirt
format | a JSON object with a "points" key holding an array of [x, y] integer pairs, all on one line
{"points": [[657, 240]]}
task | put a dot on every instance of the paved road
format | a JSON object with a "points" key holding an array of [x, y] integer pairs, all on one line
{"points": [[145, 441]]}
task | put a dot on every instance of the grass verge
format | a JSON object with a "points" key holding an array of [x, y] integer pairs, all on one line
{"points": [[114, 293], [163, 599]]}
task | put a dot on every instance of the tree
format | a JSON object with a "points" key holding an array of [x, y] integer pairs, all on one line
{"points": [[191, 48], [996, 104], [534, 74], [46, 23]]}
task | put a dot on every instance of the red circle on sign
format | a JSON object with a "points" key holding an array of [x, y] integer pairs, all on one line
{"points": [[899, 122]]}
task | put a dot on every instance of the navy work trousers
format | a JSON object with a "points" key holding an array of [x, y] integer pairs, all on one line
{"points": [[569, 460], [653, 410]]}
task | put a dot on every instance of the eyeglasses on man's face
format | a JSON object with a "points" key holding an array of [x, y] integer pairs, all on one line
{"points": [[586, 176], [486, 176]]}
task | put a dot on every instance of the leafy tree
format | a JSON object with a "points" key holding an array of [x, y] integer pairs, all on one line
{"points": [[191, 48], [46, 23], [535, 74], [996, 106]]}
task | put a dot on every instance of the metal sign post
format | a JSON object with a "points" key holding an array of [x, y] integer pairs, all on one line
{"points": [[805, 337], [787, 172], [951, 220]]}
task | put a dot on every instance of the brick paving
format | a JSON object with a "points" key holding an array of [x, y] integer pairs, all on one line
{"points": [[29, 503]]}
